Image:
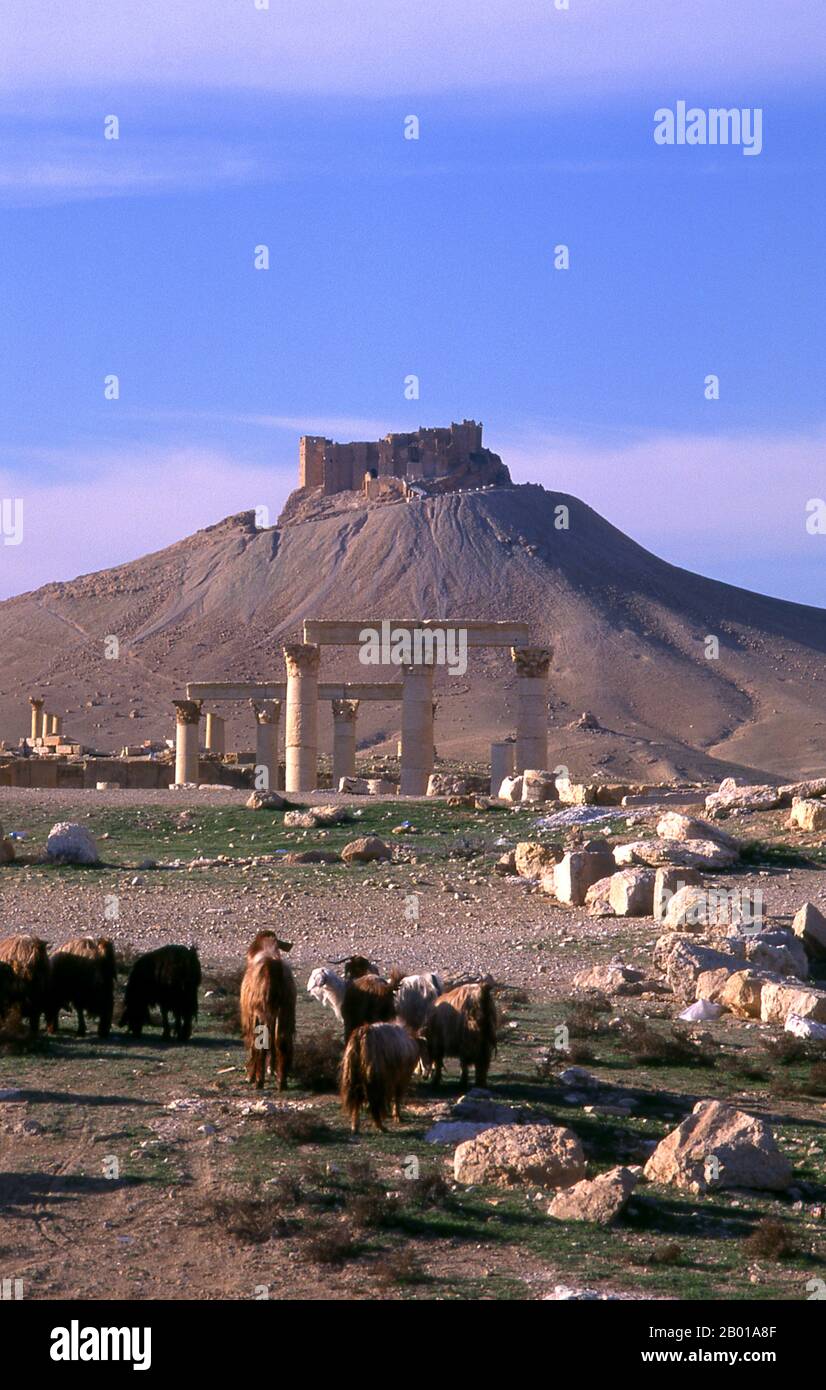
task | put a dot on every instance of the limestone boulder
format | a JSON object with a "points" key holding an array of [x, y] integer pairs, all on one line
{"points": [[69, 843], [532, 859], [668, 880], [368, 849], [600, 1200], [576, 871], [506, 863], [444, 784], [516, 1155], [354, 786], [778, 1000], [689, 854], [631, 893], [266, 801], [688, 959], [381, 786], [575, 793], [718, 1146], [598, 898], [779, 951], [538, 786], [809, 926], [730, 796], [711, 983], [613, 977], [794, 791], [700, 909], [808, 815], [742, 992], [511, 790], [674, 826]]}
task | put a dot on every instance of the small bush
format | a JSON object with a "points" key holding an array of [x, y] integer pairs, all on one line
{"points": [[428, 1190], [298, 1127], [316, 1062], [816, 1083], [253, 1218], [582, 1016], [673, 1048], [399, 1267], [785, 1050], [333, 1245], [770, 1240]]}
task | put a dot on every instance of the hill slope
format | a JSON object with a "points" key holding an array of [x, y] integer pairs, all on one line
{"points": [[628, 632]]}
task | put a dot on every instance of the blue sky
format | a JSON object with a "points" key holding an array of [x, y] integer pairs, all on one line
{"points": [[388, 257]]}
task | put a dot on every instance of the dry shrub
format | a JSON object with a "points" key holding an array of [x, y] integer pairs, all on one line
{"points": [[372, 1209], [428, 1190], [670, 1254], [333, 1245], [298, 1127], [672, 1048], [253, 1218], [816, 1083], [316, 1062], [785, 1050], [770, 1240], [582, 1016], [399, 1267]]}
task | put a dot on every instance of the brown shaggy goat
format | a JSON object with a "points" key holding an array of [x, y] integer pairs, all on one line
{"points": [[379, 1061], [357, 966], [82, 976], [29, 962], [368, 999], [463, 1024], [168, 977], [268, 1009]]}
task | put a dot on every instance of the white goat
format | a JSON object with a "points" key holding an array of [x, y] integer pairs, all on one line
{"points": [[328, 988], [415, 996]]}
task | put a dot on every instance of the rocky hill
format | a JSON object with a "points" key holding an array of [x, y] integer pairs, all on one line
{"points": [[629, 634]]}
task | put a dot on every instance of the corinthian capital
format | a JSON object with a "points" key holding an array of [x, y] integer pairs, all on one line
{"points": [[531, 661]]}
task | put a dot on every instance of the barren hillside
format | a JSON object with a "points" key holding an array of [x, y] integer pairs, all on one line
{"points": [[628, 632]]}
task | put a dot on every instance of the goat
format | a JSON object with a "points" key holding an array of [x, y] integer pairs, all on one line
{"points": [[82, 976], [463, 1024], [376, 1071], [29, 962], [328, 988], [268, 1010], [368, 999], [168, 977], [415, 996]]}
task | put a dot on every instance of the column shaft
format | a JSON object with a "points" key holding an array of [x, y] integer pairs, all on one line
{"points": [[301, 736], [187, 726], [417, 730], [344, 739], [532, 706]]}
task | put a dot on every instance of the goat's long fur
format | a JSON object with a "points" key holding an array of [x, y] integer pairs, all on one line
{"points": [[169, 978], [268, 997], [462, 1024], [28, 961], [368, 999], [415, 996], [82, 976], [378, 1064]]}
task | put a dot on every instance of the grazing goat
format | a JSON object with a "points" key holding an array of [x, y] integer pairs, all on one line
{"points": [[168, 977], [268, 1009], [356, 966], [82, 976], [376, 1071], [328, 988], [29, 962], [369, 999], [463, 1024], [415, 996]]}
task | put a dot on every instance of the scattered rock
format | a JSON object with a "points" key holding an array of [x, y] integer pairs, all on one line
{"points": [[575, 873], [809, 926], [513, 1155], [368, 849], [742, 992], [538, 786], [674, 826], [532, 859], [511, 790], [668, 881], [266, 801], [778, 1000], [719, 1147], [730, 796], [600, 1200], [631, 893], [69, 843], [807, 815]]}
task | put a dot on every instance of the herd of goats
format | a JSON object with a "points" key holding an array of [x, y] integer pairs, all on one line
{"points": [[392, 1027]]}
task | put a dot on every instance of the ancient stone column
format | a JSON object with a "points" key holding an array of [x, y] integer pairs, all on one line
{"points": [[44, 723], [215, 734], [188, 720], [55, 724], [267, 719], [532, 706], [417, 730], [344, 739], [37, 706], [301, 739], [501, 764]]}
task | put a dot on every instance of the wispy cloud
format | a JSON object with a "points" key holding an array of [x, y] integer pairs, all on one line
{"points": [[122, 504]]}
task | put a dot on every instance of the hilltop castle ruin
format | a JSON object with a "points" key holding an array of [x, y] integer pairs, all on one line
{"points": [[429, 460]]}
